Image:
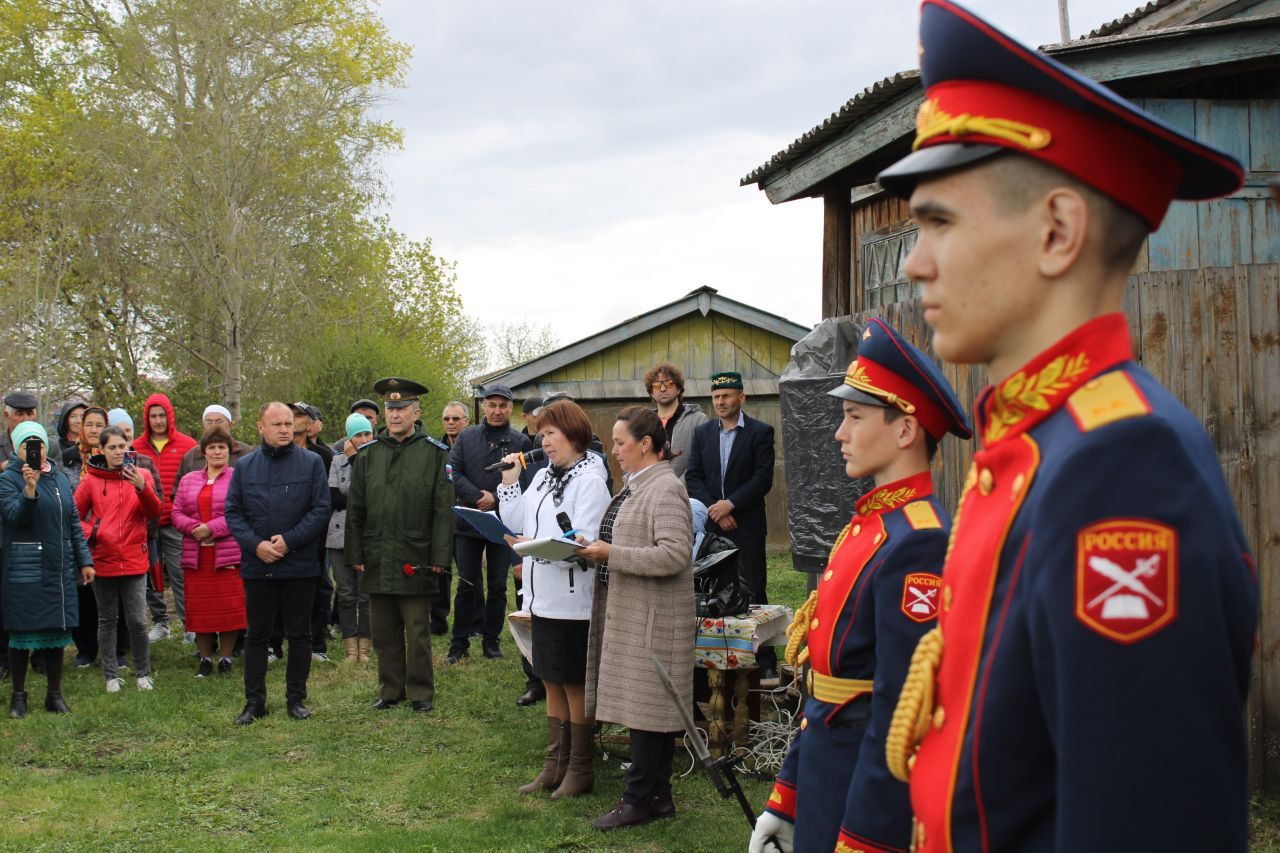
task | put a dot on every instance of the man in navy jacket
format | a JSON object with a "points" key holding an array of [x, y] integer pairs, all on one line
{"points": [[730, 471], [277, 509]]}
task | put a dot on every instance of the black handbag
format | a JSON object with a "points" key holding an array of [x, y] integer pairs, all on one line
{"points": [[718, 587]]}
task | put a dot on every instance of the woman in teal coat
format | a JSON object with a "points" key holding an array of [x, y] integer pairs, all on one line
{"points": [[45, 554]]}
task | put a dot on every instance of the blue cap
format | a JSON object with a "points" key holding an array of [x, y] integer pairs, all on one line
{"points": [[890, 371]]}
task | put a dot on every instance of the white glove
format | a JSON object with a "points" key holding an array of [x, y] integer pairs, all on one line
{"points": [[783, 832]]}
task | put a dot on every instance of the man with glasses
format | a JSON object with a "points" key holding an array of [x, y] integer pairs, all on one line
{"points": [[477, 447], [455, 419], [665, 384]]}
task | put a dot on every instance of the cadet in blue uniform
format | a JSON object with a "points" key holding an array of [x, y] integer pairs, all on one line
{"points": [[1085, 686], [879, 594]]}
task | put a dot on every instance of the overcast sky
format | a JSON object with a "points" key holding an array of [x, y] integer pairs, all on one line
{"points": [[580, 161]]}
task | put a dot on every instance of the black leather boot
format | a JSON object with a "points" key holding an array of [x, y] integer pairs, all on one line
{"points": [[53, 703], [18, 704]]}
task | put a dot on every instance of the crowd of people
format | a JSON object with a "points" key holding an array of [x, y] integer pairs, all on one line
{"points": [[261, 549]]}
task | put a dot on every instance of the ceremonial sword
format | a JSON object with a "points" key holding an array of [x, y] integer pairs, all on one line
{"points": [[719, 769]]}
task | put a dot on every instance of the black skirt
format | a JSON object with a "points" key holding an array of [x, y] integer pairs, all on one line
{"points": [[560, 649]]}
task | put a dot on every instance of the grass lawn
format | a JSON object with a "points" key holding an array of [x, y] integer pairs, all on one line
{"points": [[168, 770]]}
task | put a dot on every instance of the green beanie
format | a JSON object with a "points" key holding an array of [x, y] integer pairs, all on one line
{"points": [[356, 424], [27, 429]]}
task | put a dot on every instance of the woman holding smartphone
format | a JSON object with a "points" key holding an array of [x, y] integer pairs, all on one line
{"points": [[45, 554], [115, 498]]}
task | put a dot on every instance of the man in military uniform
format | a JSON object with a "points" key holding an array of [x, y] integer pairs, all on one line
{"points": [[400, 535], [1085, 687], [877, 597]]}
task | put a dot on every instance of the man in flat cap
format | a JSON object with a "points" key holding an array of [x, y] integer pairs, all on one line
{"points": [[730, 471], [400, 536], [1099, 599], [477, 447]]}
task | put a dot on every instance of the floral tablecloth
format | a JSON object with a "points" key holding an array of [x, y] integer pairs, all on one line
{"points": [[727, 643], [731, 642]]}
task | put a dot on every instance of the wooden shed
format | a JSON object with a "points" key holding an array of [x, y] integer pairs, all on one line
{"points": [[1203, 299], [701, 333]]}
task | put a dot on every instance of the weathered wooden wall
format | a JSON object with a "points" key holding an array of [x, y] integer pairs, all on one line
{"points": [[1212, 337], [699, 345]]}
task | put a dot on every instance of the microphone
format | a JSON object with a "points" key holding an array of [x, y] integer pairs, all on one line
{"points": [[566, 527], [526, 459]]}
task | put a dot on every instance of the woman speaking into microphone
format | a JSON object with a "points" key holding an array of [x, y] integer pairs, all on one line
{"points": [[568, 496]]}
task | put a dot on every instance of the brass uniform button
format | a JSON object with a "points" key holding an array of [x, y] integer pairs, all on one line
{"points": [[986, 481], [876, 541], [826, 576], [939, 717], [1018, 482], [813, 624], [804, 724], [857, 528]]}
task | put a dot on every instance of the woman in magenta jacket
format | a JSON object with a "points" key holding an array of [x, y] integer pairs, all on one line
{"points": [[210, 556], [115, 500]]}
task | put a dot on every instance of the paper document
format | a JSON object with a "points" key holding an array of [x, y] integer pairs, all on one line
{"points": [[548, 549]]}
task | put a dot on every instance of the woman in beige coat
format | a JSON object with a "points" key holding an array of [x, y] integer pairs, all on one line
{"points": [[643, 606]]}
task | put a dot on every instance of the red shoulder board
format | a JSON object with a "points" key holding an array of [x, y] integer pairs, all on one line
{"points": [[920, 591], [1127, 577]]}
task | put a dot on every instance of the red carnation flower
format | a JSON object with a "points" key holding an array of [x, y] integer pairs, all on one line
{"points": [[409, 570]]}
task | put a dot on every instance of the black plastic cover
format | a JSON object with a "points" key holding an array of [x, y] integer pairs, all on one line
{"points": [[820, 497]]}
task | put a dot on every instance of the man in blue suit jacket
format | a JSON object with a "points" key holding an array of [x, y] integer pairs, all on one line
{"points": [[731, 470]]}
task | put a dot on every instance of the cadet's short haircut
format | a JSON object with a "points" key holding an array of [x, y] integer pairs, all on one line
{"points": [[892, 413], [1119, 232]]}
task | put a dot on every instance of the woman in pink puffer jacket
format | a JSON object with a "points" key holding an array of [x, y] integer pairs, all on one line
{"points": [[210, 556]]}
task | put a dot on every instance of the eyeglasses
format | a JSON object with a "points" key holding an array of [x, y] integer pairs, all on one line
{"points": [[453, 418], [663, 383]]}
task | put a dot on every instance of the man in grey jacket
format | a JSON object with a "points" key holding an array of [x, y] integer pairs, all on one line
{"points": [[665, 384]]}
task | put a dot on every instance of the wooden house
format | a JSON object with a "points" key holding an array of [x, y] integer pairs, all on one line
{"points": [[701, 333], [1203, 299]]}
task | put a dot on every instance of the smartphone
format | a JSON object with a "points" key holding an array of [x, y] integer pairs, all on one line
{"points": [[131, 459], [32, 449]]}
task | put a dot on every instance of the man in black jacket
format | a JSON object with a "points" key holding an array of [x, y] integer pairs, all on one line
{"points": [[277, 509], [730, 471], [477, 447]]}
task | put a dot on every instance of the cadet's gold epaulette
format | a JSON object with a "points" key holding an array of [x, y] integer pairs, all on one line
{"points": [[921, 515], [1111, 397]]}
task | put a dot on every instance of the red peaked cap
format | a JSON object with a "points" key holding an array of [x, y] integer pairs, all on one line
{"points": [[889, 371], [986, 93]]}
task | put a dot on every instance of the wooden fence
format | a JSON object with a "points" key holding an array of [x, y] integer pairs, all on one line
{"points": [[1212, 337]]}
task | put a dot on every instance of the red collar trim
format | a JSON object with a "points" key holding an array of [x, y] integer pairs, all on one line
{"points": [[1041, 387], [895, 494]]}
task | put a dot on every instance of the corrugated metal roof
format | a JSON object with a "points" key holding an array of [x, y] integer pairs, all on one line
{"points": [[1124, 22], [871, 98], [867, 101]]}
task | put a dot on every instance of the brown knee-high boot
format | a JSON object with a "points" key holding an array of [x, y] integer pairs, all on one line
{"points": [[556, 761], [581, 775]]}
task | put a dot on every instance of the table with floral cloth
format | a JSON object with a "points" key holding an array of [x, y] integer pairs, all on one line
{"points": [[725, 647]]}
